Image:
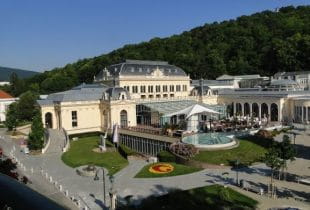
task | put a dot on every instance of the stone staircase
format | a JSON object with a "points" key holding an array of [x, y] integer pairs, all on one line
{"points": [[57, 141]]}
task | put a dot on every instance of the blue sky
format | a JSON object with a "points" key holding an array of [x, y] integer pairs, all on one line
{"points": [[42, 34]]}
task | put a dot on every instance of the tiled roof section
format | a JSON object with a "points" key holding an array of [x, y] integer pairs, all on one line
{"points": [[140, 68], [4, 95]]}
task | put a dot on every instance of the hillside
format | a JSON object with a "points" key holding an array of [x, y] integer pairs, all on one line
{"points": [[6, 72], [263, 43]]}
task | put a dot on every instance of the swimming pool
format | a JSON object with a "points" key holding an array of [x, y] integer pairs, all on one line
{"points": [[210, 140]]}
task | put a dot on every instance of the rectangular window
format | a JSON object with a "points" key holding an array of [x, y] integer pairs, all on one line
{"points": [[171, 88], [178, 88], [184, 87], [150, 89], [165, 88], [142, 89], [135, 89], [157, 88], [74, 118]]}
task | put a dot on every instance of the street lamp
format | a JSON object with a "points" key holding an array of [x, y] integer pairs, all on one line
{"points": [[96, 178]]}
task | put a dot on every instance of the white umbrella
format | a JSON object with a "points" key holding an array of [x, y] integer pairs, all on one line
{"points": [[192, 110], [115, 133]]}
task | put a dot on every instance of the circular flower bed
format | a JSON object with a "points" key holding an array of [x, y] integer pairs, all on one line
{"points": [[161, 168]]}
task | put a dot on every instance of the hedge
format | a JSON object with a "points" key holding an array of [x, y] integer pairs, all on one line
{"points": [[125, 151], [165, 156]]}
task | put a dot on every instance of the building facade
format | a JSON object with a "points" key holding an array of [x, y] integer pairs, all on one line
{"points": [[5, 101], [141, 92]]}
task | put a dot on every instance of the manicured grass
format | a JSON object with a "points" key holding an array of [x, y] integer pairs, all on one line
{"points": [[80, 153], [248, 152], [209, 197], [178, 170]]}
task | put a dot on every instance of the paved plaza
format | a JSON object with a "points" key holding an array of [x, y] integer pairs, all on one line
{"points": [[89, 193]]}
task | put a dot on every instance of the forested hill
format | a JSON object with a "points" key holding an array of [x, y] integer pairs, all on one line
{"points": [[6, 72], [262, 43]]}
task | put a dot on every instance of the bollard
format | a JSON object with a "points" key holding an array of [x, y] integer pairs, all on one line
{"points": [[56, 183], [51, 179], [31, 170], [85, 208], [66, 193], [25, 169], [60, 187], [42, 172], [72, 198], [46, 175]]}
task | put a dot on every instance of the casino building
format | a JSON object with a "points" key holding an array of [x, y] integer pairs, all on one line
{"points": [[137, 92]]}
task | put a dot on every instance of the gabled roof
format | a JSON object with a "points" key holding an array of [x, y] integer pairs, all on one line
{"points": [[4, 95]]}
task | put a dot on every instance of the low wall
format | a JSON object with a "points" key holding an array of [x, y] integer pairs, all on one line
{"points": [[48, 141]]}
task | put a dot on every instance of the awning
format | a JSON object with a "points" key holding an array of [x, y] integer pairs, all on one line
{"points": [[192, 110]]}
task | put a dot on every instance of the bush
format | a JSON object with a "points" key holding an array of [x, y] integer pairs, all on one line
{"points": [[166, 156], [185, 150], [264, 134], [125, 151]]}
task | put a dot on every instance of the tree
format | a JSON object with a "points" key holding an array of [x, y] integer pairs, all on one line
{"points": [[286, 152], [35, 137], [11, 116], [17, 85], [273, 161], [26, 106]]}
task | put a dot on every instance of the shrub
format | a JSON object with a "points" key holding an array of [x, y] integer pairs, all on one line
{"points": [[264, 134], [185, 150], [125, 151], [166, 156]]}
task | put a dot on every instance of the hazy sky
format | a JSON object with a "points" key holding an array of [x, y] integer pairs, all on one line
{"points": [[43, 34]]}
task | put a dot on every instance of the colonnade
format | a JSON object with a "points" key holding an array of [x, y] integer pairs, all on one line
{"points": [[259, 110]]}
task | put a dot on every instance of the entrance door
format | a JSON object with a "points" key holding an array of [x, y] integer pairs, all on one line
{"points": [[48, 120]]}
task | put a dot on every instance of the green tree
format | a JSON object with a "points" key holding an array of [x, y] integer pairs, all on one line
{"points": [[17, 85], [11, 116], [26, 106], [273, 161], [286, 152], [35, 137]]}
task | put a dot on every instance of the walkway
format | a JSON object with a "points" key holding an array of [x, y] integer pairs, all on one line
{"points": [[90, 192]]}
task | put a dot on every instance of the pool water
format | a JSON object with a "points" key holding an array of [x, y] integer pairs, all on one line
{"points": [[208, 139]]}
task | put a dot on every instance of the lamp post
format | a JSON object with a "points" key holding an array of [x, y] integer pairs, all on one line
{"points": [[96, 178]]}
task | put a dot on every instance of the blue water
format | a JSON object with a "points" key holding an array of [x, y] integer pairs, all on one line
{"points": [[207, 138]]}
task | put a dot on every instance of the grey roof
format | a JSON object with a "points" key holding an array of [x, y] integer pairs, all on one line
{"points": [[211, 83], [114, 93], [229, 77], [83, 92], [282, 82], [141, 67], [291, 73]]}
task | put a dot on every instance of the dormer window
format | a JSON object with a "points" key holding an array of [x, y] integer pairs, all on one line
{"points": [[140, 69], [132, 69]]}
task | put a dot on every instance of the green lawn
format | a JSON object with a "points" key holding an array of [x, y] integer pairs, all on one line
{"points": [[178, 170], [209, 197], [248, 151], [80, 153]]}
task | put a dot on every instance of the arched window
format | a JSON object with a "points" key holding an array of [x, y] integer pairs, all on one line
{"points": [[246, 109], [264, 110], [274, 112], [48, 120], [255, 110], [238, 109], [124, 120]]}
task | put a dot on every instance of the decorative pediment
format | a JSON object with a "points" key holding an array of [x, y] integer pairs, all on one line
{"points": [[157, 73]]}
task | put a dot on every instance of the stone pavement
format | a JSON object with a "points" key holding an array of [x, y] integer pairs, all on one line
{"points": [[90, 192]]}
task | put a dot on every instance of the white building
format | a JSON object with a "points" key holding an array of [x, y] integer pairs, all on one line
{"points": [[301, 77], [5, 100]]}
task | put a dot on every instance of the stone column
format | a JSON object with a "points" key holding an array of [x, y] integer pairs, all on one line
{"points": [[251, 111], [269, 112], [242, 109], [259, 111], [235, 108]]}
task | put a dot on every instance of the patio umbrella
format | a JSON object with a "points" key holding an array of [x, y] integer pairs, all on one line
{"points": [[192, 110], [115, 133]]}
